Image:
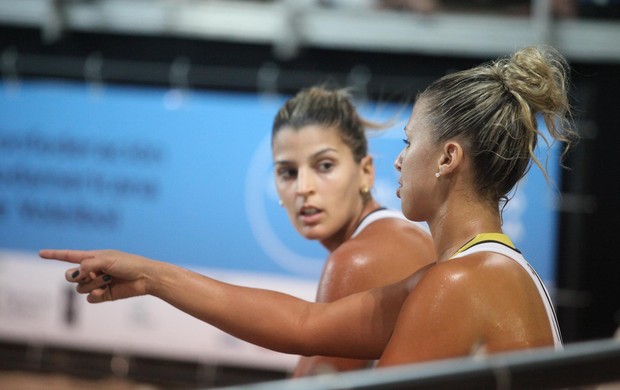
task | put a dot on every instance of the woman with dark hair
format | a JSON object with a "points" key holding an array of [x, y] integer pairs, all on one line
{"points": [[324, 176]]}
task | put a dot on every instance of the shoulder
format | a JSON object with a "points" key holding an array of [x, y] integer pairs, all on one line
{"points": [[386, 251], [482, 269], [385, 242], [388, 233], [487, 298], [484, 282], [475, 290]]}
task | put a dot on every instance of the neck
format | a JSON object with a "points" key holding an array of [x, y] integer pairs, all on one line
{"points": [[333, 242], [450, 230]]}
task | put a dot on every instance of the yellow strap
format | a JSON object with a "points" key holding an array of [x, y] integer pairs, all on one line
{"points": [[484, 237]]}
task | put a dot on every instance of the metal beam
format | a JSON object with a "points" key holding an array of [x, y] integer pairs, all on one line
{"points": [[286, 24]]}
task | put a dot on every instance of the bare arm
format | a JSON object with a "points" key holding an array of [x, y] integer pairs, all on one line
{"points": [[436, 321], [344, 274], [356, 326]]}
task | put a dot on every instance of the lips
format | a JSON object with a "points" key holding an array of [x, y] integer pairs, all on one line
{"points": [[309, 211], [310, 214]]}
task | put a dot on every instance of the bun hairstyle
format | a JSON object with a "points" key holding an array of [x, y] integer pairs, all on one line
{"points": [[327, 108], [493, 108]]}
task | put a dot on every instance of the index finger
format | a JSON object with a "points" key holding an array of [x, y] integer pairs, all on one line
{"points": [[71, 256]]}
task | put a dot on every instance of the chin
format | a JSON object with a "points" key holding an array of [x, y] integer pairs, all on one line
{"points": [[310, 233]]}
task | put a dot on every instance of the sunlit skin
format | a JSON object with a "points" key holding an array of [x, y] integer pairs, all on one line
{"points": [[483, 302]]}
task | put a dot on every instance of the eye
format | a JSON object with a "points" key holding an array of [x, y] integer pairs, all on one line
{"points": [[325, 166], [286, 173], [406, 141]]}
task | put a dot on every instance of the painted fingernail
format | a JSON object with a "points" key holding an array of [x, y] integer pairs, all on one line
{"points": [[75, 274], [106, 278]]}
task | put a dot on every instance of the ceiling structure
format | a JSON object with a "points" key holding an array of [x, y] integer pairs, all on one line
{"points": [[289, 25]]}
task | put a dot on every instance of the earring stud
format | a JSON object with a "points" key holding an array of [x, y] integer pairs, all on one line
{"points": [[437, 174]]}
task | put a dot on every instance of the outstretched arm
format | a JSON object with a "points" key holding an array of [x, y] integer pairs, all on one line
{"points": [[357, 326]]}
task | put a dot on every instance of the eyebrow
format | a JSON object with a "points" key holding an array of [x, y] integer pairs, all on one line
{"points": [[314, 155]]}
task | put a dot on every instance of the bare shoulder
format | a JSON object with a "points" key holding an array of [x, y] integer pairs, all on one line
{"points": [[393, 229], [385, 252], [484, 270], [494, 298], [486, 288], [485, 298], [390, 235], [387, 243], [492, 290]]}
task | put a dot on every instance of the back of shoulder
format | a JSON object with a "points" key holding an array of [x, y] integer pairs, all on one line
{"points": [[384, 252], [383, 237], [394, 229], [388, 246], [482, 269]]}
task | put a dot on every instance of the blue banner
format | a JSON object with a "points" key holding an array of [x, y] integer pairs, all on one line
{"points": [[185, 177]]}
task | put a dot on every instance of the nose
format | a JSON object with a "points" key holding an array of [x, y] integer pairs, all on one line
{"points": [[398, 162], [305, 182]]}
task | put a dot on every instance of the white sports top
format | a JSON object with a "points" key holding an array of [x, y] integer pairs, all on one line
{"points": [[380, 214], [500, 243]]}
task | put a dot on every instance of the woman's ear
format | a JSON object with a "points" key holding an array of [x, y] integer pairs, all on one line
{"points": [[367, 169], [451, 157]]}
